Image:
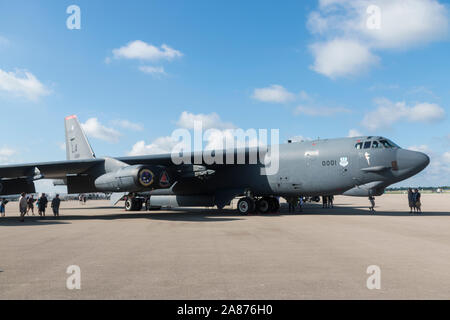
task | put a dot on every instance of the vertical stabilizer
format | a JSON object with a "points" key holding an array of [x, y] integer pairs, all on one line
{"points": [[77, 145]]}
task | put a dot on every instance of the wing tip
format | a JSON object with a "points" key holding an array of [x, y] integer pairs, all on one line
{"points": [[71, 117]]}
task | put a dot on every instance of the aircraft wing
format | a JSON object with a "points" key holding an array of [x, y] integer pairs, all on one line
{"points": [[15, 179], [241, 155], [51, 170], [81, 168]]}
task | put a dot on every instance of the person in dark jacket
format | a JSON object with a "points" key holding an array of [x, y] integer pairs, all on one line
{"points": [[411, 200], [324, 202], [42, 204], [330, 201], [372, 204], [30, 203], [55, 205], [417, 203]]}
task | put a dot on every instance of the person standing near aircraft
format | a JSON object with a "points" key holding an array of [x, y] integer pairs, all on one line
{"points": [[55, 205], [417, 203], [30, 203], [330, 201], [23, 205], [292, 202], [324, 202], [411, 200], [291, 206], [300, 204], [3, 203], [42, 204], [372, 204]]}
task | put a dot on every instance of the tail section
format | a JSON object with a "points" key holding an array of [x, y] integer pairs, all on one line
{"points": [[77, 145]]}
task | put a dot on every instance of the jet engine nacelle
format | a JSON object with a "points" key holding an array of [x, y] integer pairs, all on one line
{"points": [[133, 178]]}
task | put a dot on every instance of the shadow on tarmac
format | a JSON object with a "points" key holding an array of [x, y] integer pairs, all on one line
{"points": [[204, 215]]}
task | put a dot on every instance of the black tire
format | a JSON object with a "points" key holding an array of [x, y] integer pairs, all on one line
{"points": [[264, 205], [129, 204], [133, 204], [138, 204], [245, 206]]}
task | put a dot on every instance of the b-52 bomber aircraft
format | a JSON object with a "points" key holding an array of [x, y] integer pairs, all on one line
{"points": [[360, 166]]}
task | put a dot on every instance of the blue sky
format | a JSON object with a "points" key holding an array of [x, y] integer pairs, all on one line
{"points": [[309, 68]]}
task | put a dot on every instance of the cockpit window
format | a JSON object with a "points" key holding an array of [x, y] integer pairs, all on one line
{"points": [[367, 144], [376, 145], [387, 144], [358, 145], [394, 145]]}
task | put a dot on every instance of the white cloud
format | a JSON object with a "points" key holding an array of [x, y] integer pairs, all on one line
{"points": [[158, 146], [215, 136], [6, 153], [93, 128], [153, 70], [387, 113], [22, 83], [218, 139], [143, 51], [446, 157], [407, 23], [342, 24], [126, 124], [341, 57], [62, 146], [426, 112], [208, 121], [354, 133], [420, 148], [303, 95], [319, 111], [4, 41], [438, 171], [273, 94]]}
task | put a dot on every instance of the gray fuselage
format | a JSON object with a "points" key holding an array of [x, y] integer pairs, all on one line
{"points": [[319, 167]]}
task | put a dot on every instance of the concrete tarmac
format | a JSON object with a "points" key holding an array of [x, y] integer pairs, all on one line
{"points": [[210, 254]]}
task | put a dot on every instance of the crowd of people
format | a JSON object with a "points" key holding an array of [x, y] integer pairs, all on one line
{"points": [[27, 204]]}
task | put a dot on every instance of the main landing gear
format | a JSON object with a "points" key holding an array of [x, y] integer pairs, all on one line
{"points": [[248, 205], [133, 204]]}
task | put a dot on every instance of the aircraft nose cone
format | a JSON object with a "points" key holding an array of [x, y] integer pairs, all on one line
{"points": [[411, 162]]}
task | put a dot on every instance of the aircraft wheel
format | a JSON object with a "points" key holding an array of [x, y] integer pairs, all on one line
{"points": [[138, 205], [263, 205], [133, 204], [129, 204], [245, 206]]}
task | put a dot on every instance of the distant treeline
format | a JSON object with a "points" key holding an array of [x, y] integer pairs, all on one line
{"points": [[421, 188]]}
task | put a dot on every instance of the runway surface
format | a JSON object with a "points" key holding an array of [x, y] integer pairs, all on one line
{"points": [[210, 254]]}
